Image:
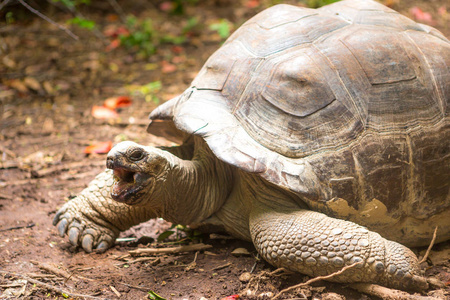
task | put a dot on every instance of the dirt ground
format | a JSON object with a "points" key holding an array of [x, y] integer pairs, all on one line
{"points": [[49, 84]]}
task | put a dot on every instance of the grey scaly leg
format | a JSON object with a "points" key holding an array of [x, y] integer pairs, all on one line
{"points": [[93, 219], [315, 244]]}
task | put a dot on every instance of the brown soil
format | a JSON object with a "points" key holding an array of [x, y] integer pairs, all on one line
{"points": [[49, 83]]}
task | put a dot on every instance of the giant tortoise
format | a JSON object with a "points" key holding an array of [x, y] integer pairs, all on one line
{"points": [[321, 135]]}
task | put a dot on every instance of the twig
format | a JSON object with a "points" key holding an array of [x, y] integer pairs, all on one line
{"points": [[172, 250], [51, 269], [153, 262], [49, 286], [18, 227], [18, 182], [387, 293], [142, 288], [10, 285], [6, 150], [222, 266], [429, 247], [115, 291], [45, 276], [315, 279], [4, 196], [4, 3], [36, 12]]}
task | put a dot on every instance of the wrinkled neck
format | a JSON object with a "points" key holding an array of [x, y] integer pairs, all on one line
{"points": [[197, 188]]}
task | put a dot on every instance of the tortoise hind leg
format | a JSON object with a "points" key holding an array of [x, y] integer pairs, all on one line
{"points": [[315, 244]]}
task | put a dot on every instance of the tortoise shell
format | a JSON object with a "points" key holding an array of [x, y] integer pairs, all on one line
{"points": [[349, 101]]}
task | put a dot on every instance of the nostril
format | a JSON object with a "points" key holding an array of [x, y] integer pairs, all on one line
{"points": [[110, 163]]}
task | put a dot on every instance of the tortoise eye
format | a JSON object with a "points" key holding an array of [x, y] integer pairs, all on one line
{"points": [[136, 154]]}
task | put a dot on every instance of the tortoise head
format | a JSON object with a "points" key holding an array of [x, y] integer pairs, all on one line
{"points": [[137, 171]]}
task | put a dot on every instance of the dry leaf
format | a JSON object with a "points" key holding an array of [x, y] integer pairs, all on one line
{"points": [[9, 62], [18, 85], [168, 67], [420, 15], [232, 297], [48, 88], [166, 6], [117, 102], [113, 45], [99, 148], [252, 3], [32, 83], [101, 112]]}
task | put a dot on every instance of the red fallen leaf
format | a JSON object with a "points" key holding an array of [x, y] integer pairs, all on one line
{"points": [[177, 49], [420, 15], [114, 31], [178, 59], [99, 148], [168, 67], [112, 18], [113, 45], [442, 11], [166, 6], [117, 102], [252, 3], [232, 297], [101, 112]]}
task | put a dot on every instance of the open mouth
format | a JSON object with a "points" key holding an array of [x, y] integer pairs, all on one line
{"points": [[127, 184]]}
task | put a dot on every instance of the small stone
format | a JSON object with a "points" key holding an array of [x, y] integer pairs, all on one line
{"points": [[265, 295], [240, 252], [245, 277]]}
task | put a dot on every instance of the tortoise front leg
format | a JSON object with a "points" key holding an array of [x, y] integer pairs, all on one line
{"points": [[93, 220], [315, 244]]}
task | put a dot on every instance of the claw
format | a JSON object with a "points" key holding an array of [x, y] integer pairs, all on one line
{"points": [[62, 227], [74, 234], [102, 247], [87, 242], [58, 214]]}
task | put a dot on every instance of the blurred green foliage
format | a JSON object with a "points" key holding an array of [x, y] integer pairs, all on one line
{"points": [[154, 296], [223, 28], [83, 23], [319, 3], [141, 36], [73, 3], [148, 91]]}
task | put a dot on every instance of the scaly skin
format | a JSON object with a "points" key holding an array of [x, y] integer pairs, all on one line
{"points": [[93, 219], [315, 244], [191, 191]]}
